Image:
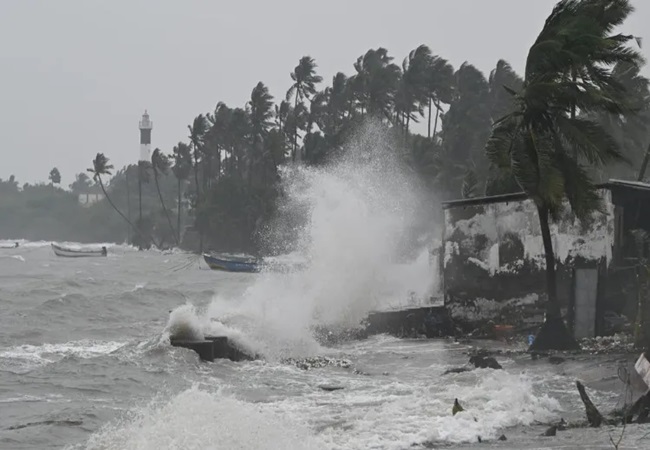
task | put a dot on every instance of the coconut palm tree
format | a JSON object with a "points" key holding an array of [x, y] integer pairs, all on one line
{"points": [[541, 143], [198, 129], [500, 101], [102, 167], [411, 91], [376, 82], [160, 164], [440, 86], [260, 111], [304, 85], [55, 177], [181, 169]]}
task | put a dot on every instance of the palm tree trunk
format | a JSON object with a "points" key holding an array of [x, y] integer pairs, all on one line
{"points": [[198, 197], [553, 334], [435, 124], [552, 306], [128, 204], [429, 124], [169, 220], [101, 184], [644, 164], [178, 217], [295, 124]]}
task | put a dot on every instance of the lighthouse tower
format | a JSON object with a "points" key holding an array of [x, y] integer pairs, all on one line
{"points": [[145, 137]]}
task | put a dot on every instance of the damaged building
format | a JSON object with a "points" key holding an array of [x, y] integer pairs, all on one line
{"points": [[493, 267]]}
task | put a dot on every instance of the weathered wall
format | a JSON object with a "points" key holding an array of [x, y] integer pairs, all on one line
{"points": [[494, 257]]}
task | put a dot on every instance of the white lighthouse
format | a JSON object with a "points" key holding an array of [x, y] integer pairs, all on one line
{"points": [[145, 137]]}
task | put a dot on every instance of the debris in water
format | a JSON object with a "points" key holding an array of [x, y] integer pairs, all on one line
{"points": [[330, 388], [551, 431], [456, 408]]}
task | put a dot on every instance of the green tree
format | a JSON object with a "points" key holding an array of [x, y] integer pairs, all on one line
{"points": [[260, 111], [81, 184], [375, 83], [198, 129], [55, 177], [181, 169], [102, 167], [440, 87], [466, 128], [160, 164], [541, 143], [304, 85]]}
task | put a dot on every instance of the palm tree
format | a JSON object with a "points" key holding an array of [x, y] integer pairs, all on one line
{"points": [[541, 143], [502, 77], [102, 167], [376, 82], [412, 87], [143, 177], [198, 130], [440, 86], [260, 111], [55, 177], [181, 169], [160, 163], [305, 81]]}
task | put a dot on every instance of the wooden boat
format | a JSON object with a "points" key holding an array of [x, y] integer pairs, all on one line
{"points": [[229, 263], [77, 253]]}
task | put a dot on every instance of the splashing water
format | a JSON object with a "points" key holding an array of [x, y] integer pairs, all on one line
{"points": [[355, 217]]}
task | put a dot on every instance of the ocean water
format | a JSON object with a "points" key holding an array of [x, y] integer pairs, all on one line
{"points": [[85, 362], [85, 359]]}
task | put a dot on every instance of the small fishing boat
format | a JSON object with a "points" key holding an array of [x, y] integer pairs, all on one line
{"points": [[15, 245], [77, 253], [231, 263]]}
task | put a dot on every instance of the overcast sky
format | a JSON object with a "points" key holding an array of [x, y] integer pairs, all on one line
{"points": [[76, 76]]}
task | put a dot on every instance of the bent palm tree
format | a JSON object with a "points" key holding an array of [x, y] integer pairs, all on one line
{"points": [[542, 143], [160, 163], [102, 167]]}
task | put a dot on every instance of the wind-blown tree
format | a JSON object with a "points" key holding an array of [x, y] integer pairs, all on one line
{"points": [[143, 177], [304, 85], [81, 184], [160, 164], [542, 144], [466, 128], [440, 87], [632, 129], [55, 177], [260, 111], [375, 83], [102, 167], [503, 80], [412, 92], [181, 169], [198, 129]]}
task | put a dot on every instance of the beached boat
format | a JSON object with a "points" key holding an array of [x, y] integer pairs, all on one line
{"points": [[77, 253], [230, 263]]}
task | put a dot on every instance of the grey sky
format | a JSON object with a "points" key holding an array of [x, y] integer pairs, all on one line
{"points": [[76, 75]]}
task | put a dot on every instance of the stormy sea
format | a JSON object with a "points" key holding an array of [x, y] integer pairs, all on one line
{"points": [[86, 360]]}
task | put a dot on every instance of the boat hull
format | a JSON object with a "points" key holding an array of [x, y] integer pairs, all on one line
{"points": [[71, 253], [226, 264]]}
